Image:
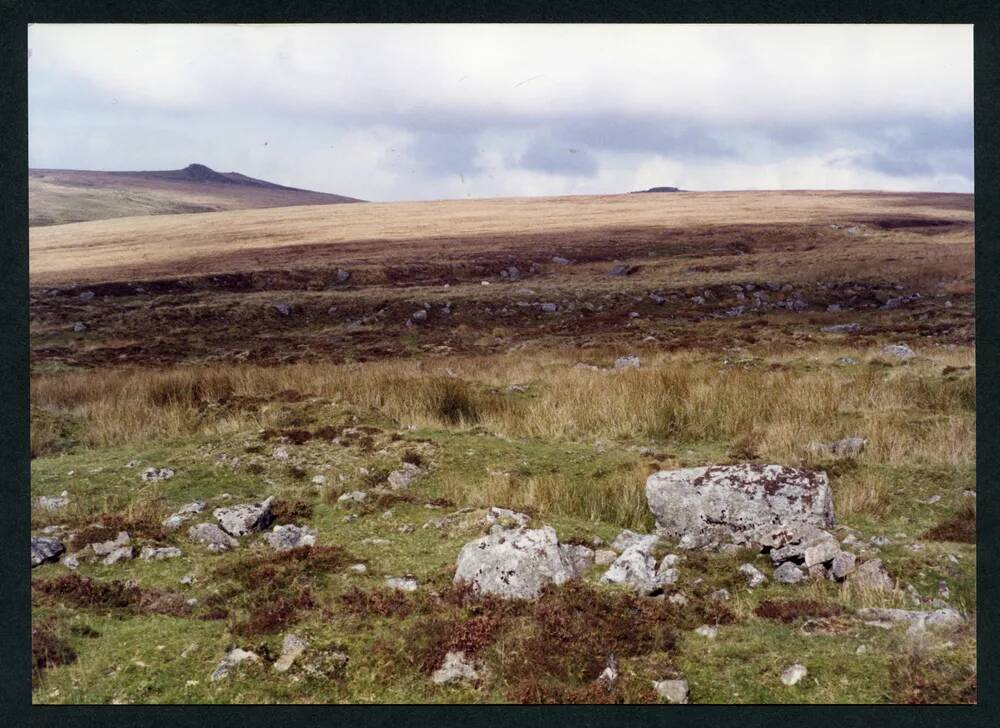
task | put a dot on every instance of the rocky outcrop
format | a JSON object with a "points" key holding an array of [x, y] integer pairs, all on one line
{"points": [[708, 506]]}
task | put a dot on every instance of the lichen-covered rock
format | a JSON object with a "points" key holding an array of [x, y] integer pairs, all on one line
{"points": [[899, 351], [44, 550], [789, 573], [514, 564], [152, 553], [754, 576], [245, 518], [184, 513], [793, 674], [918, 620], [704, 507], [288, 537], [53, 502], [107, 547], [872, 575], [212, 537], [506, 518], [455, 668], [843, 564], [404, 477], [291, 647], [636, 568], [628, 538], [582, 557], [673, 691], [152, 475]]}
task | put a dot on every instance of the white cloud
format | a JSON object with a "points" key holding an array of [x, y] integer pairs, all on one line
{"points": [[465, 102]]}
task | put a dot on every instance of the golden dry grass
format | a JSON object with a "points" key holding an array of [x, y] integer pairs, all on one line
{"points": [[255, 239], [909, 414]]}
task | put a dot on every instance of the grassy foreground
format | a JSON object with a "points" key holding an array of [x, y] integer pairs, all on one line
{"points": [[532, 431]]}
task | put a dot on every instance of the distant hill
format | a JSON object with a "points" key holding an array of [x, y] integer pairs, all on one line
{"points": [[57, 196], [658, 189]]}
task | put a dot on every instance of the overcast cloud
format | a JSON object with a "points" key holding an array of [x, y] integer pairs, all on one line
{"points": [[409, 112]]}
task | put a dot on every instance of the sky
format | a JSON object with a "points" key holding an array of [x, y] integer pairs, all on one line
{"points": [[417, 112]]}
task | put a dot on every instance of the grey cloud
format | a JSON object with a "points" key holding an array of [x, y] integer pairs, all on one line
{"points": [[553, 156]]}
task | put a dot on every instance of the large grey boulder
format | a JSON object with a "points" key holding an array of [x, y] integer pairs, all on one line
{"points": [[704, 507], [245, 518], [514, 564], [45, 549]]}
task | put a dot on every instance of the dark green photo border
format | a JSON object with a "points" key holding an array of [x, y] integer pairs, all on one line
{"points": [[15, 682]]}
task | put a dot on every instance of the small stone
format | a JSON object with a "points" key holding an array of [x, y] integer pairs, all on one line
{"points": [[44, 550], [291, 647], [899, 351], [151, 553], [627, 362], [53, 502], [793, 674], [152, 475], [753, 575], [355, 496], [455, 668], [79, 327], [419, 316], [673, 691], [358, 569], [707, 631], [405, 583], [280, 453], [319, 480], [721, 595], [233, 658], [678, 598]]}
